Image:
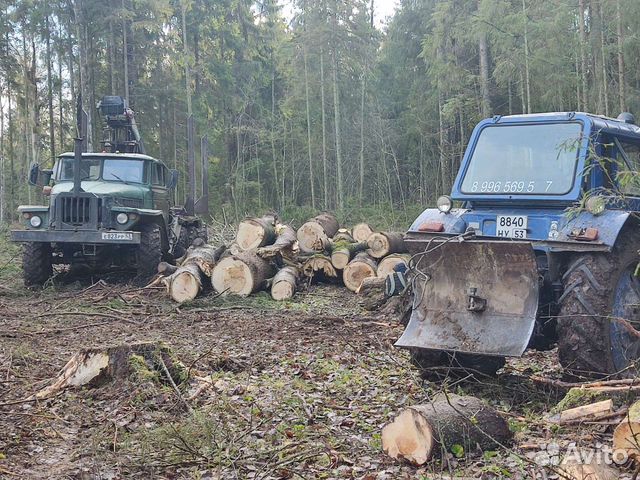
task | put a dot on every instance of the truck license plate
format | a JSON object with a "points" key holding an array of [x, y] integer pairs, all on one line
{"points": [[511, 226], [117, 236]]}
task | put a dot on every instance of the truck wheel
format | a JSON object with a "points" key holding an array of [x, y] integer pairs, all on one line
{"points": [[36, 263], [598, 317], [441, 363], [149, 252]]}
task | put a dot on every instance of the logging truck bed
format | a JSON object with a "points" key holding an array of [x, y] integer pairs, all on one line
{"points": [[301, 389]]}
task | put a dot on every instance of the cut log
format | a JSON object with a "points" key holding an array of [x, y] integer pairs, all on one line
{"points": [[241, 274], [372, 291], [593, 411], [166, 269], [96, 366], [284, 243], [388, 264], [626, 436], [343, 234], [382, 244], [186, 282], [343, 251], [285, 283], [362, 266], [315, 235], [422, 431], [582, 464], [256, 232], [361, 232], [319, 265]]}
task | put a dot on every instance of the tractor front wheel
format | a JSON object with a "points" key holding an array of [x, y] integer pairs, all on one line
{"points": [[149, 252], [36, 263], [599, 312]]}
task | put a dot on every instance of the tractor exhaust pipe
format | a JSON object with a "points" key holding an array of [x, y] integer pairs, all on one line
{"points": [[79, 146]]}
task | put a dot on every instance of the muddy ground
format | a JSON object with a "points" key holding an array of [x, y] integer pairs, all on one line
{"points": [[302, 389]]}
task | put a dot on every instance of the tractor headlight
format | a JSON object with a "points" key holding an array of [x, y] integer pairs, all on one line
{"points": [[444, 204], [596, 204], [35, 221], [122, 218]]}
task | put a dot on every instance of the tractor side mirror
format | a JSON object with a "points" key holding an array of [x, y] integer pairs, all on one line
{"points": [[174, 175], [39, 178]]}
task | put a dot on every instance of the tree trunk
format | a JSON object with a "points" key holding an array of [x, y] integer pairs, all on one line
{"points": [[319, 266], [241, 274], [388, 264], [256, 232], [82, 32], [306, 91], [361, 232], [483, 53], [527, 77], [422, 431], [361, 267], [621, 81], [382, 244], [324, 135], [605, 80], [336, 110], [52, 126], [583, 54], [343, 251], [285, 283], [284, 243], [314, 235]]}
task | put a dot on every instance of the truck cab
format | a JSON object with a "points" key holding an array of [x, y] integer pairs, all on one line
{"points": [[545, 226]]}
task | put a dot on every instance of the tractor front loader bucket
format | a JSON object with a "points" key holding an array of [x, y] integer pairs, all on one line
{"points": [[472, 296]]}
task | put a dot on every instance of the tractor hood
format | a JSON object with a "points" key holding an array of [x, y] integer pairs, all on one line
{"points": [[102, 188]]}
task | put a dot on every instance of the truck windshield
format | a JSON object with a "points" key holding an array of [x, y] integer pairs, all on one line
{"points": [[113, 169], [524, 159]]}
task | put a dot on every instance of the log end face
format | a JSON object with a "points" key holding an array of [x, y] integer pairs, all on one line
{"points": [[312, 237], [408, 436], [282, 291], [250, 235], [355, 273]]}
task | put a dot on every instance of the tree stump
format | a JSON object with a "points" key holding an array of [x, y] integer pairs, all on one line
{"points": [[372, 291], [285, 283], [256, 232], [388, 264], [419, 432], [241, 274], [382, 244], [96, 366], [626, 436], [361, 267], [314, 235], [361, 232]]}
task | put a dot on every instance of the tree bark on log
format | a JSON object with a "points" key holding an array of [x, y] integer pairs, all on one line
{"points": [[314, 235], [361, 232], [421, 431], [256, 232], [284, 243], [241, 274], [382, 244], [285, 283], [372, 291], [319, 265], [388, 264], [343, 234], [361, 267], [626, 436], [186, 281], [97, 366], [343, 251]]}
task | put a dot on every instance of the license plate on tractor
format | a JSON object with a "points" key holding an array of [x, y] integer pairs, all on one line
{"points": [[117, 236], [511, 226]]}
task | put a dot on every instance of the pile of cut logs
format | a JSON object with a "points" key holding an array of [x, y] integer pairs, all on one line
{"points": [[269, 255]]}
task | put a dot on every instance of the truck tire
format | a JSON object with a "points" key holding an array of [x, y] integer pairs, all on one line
{"points": [[36, 263], [149, 252], [433, 363], [600, 290]]}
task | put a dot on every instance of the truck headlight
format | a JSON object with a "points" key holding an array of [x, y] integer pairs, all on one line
{"points": [[444, 204], [35, 221], [122, 218], [595, 204]]}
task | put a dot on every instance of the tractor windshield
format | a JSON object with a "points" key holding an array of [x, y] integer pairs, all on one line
{"points": [[96, 168], [524, 159]]}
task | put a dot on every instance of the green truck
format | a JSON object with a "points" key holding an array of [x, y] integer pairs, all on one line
{"points": [[109, 209]]}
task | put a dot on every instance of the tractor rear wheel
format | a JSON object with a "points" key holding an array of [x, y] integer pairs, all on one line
{"points": [[434, 363], [36, 263], [149, 252], [599, 312]]}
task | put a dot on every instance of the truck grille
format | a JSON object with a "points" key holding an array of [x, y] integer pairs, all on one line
{"points": [[82, 210]]}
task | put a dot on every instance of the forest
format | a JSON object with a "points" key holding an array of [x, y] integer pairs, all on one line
{"points": [[305, 103]]}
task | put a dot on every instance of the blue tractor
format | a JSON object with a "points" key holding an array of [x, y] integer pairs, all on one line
{"points": [[542, 250]]}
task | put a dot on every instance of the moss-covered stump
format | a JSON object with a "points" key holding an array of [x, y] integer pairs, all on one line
{"points": [[94, 367], [579, 396]]}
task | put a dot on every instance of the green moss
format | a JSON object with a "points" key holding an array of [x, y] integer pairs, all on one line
{"points": [[577, 397], [141, 371]]}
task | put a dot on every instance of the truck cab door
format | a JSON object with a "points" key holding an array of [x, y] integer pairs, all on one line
{"points": [[159, 189]]}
